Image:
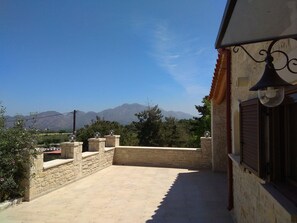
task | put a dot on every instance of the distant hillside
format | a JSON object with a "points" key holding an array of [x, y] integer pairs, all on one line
{"points": [[123, 114]]}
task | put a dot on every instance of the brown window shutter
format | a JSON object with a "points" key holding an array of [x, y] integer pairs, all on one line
{"points": [[252, 138]]}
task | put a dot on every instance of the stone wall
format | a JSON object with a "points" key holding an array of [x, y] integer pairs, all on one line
{"points": [[165, 157], [51, 175], [47, 179], [254, 201], [218, 135], [93, 162], [54, 174]]}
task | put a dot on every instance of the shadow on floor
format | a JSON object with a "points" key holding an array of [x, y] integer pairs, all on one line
{"points": [[199, 197]]}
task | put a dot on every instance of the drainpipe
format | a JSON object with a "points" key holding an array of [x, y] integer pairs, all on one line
{"points": [[228, 126]]}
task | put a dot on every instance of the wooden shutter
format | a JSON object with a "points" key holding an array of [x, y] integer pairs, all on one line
{"points": [[252, 136]]}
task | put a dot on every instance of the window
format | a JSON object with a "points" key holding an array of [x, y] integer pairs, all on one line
{"points": [[284, 150], [269, 143], [291, 141]]}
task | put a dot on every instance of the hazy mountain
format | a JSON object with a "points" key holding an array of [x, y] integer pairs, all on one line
{"points": [[123, 114]]}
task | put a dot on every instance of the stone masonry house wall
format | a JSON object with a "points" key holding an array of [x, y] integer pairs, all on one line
{"points": [[218, 135], [255, 200], [218, 115]]}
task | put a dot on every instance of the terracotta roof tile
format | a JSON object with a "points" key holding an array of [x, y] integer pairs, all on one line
{"points": [[218, 85]]}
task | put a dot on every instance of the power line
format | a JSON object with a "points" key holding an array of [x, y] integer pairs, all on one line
{"points": [[37, 117]]}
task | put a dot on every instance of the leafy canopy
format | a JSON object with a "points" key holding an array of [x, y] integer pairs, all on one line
{"points": [[202, 123], [17, 147], [149, 127]]}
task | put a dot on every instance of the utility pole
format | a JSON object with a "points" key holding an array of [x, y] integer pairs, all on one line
{"points": [[74, 121]]}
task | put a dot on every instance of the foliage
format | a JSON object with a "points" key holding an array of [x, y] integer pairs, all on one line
{"points": [[202, 123], [47, 139], [16, 148], [170, 132], [149, 127], [128, 135], [187, 137], [152, 130], [17, 143]]}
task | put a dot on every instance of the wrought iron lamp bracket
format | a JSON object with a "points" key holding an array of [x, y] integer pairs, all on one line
{"points": [[267, 54]]}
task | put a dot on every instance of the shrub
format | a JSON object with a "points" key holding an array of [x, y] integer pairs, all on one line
{"points": [[16, 148]]}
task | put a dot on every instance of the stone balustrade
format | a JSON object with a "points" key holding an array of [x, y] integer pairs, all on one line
{"points": [[190, 158], [104, 152], [73, 165]]}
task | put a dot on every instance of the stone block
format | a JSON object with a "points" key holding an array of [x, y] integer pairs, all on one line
{"points": [[71, 150], [96, 144], [112, 140]]}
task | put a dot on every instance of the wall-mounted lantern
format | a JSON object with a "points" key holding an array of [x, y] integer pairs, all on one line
{"points": [[270, 87]]}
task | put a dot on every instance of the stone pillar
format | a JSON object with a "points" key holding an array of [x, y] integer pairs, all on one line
{"points": [[31, 172], [112, 140], [96, 144], [206, 147], [71, 150], [38, 162]]}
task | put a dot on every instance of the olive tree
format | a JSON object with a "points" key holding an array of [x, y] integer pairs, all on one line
{"points": [[16, 150]]}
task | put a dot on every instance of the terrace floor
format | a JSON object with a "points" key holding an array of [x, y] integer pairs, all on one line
{"points": [[133, 195]]}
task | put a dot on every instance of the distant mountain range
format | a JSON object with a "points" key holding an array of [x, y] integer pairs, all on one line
{"points": [[123, 114]]}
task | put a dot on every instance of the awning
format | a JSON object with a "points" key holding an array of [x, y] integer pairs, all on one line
{"points": [[251, 21]]}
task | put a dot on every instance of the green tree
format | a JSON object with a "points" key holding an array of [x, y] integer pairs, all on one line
{"points": [[129, 135], [128, 132], [47, 139], [99, 125], [203, 122], [170, 132], [149, 127], [187, 137], [17, 147]]}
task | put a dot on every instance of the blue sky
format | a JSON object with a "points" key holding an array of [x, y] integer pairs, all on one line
{"points": [[92, 55]]}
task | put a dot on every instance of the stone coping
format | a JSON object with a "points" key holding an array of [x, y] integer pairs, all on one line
{"points": [[288, 206], [108, 148], [234, 158], [87, 154], [158, 148], [54, 163]]}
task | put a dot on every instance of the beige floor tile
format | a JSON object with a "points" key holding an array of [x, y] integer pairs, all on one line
{"points": [[130, 194]]}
